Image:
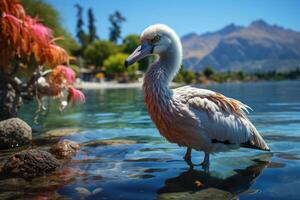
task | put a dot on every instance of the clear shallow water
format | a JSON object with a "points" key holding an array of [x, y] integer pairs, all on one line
{"points": [[151, 166]]}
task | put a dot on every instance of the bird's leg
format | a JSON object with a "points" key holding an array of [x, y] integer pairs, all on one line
{"points": [[205, 163], [187, 157]]}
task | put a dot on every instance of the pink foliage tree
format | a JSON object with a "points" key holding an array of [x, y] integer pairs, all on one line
{"points": [[25, 41]]}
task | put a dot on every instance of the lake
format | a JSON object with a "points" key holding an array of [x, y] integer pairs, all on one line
{"points": [[146, 166]]}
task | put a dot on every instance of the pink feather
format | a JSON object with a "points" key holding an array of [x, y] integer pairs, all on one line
{"points": [[19, 10], [41, 32], [76, 95], [12, 19], [68, 73]]}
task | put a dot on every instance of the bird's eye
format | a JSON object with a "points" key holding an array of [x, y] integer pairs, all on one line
{"points": [[155, 39]]}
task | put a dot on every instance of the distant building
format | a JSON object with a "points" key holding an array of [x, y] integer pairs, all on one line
{"points": [[92, 75]]}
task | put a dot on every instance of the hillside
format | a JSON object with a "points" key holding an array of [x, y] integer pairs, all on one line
{"points": [[257, 47]]}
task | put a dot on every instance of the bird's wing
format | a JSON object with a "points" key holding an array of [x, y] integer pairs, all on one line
{"points": [[223, 119]]}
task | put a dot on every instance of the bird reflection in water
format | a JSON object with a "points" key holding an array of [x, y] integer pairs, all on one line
{"points": [[194, 180]]}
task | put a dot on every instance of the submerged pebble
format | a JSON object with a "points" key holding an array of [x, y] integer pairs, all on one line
{"points": [[84, 192], [64, 149], [62, 132], [108, 142], [210, 193]]}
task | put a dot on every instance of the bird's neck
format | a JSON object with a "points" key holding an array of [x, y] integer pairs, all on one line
{"points": [[160, 74], [166, 67]]}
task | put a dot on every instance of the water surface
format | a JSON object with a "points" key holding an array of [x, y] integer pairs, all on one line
{"points": [[148, 166]]}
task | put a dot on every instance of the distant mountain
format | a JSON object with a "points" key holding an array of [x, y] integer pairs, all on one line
{"points": [[257, 47]]}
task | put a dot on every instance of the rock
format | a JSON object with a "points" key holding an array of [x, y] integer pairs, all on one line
{"points": [[14, 132], [108, 142], [62, 132], [29, 164], [64, 149], [210, 193]]}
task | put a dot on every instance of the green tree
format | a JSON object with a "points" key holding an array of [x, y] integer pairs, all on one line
{"points": [[188, 76], [80, 33], [130, 43], [98, 51], [208, 71], [185, 76], [178, 78], [51, 18], [114, 64], [240, 75], [92, 28], [116, 19]]}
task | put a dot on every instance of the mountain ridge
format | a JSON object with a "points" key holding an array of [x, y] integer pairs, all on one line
{"points": [[256, 47]]}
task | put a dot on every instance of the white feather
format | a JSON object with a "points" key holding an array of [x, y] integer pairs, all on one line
{"points": [[197, 118]]}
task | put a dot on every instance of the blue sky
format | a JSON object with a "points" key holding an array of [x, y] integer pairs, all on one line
{"points": [[184, 16]]}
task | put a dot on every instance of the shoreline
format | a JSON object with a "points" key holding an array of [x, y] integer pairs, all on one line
{"points": [[113, 85]]}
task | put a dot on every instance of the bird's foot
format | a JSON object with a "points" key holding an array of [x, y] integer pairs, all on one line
{"points": [[205, 166], [188, 160]]}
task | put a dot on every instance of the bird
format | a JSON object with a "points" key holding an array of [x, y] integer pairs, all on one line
{"points": [[195, 118]]}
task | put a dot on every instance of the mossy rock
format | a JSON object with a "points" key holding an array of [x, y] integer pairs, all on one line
{"points": [[29, 164], [14, 132]]}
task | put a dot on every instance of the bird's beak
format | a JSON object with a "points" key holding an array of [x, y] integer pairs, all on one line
{"points": [[139, 53]]}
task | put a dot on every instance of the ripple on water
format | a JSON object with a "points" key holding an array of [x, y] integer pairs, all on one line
{"points": [[150, 167]]}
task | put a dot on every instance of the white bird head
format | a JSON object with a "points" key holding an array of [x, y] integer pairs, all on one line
{"points": [[158, 39]]}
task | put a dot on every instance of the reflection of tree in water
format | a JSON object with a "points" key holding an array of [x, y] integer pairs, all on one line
{"points": [[112, 108], [194, 180]]}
